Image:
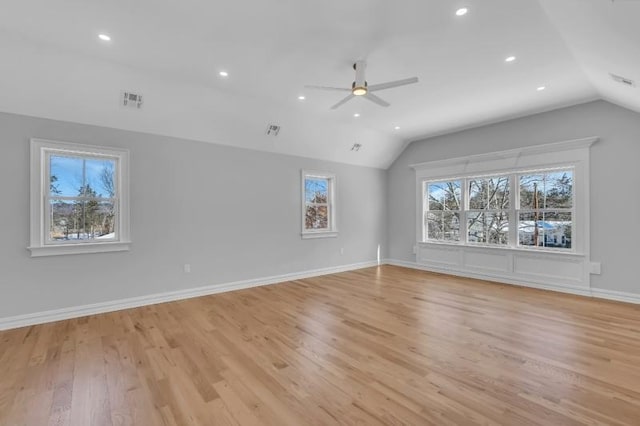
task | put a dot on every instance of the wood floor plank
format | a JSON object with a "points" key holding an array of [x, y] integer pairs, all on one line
{"points": [[382, 345]]}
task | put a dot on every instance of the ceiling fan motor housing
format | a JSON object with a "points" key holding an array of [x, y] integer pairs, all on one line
{"points": [[359, 87]]}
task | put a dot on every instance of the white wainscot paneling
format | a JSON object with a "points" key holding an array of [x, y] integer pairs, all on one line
{"points": [[516, 266], [483, 260], [439, 255], [558, 269]]}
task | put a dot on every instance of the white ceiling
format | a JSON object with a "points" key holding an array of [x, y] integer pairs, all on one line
{"points": [[54, 66]]}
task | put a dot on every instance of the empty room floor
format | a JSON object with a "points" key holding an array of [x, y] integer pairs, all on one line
{"points": [[382, 345]]}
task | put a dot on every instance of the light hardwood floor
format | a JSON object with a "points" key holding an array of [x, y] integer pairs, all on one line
{"points": [[382, 345]]}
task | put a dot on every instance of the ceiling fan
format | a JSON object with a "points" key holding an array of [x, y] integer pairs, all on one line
{"points": [[360, 87]]}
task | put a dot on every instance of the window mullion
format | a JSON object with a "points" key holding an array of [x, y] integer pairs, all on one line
{"points": [[514, 199], [464, 201]]}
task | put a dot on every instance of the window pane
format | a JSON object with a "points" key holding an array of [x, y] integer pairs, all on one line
{"points": [[489, 228], [433, 221], [62, 218], [476, 228], [531, 191], [497, 225], [547, 229], [443, 226], [103, 221], [316, 190], [65, 176], [546, 191], [81, 220], [557, 229], [99, 176], [75, 176], [316, 217], [444, 195], [559, 190], [489, 193]]}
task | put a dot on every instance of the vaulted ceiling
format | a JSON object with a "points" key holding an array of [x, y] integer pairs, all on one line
{"points": [[55, 66]]}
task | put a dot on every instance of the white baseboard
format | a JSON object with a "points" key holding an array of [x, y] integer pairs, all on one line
{"points": [[591, 292], [134, 302], [620, 296]]}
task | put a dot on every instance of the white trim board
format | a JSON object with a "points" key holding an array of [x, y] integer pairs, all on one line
{"points": [[135, 302], [598, 293]]}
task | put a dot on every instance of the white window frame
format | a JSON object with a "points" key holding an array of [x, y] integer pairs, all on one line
{"points": [[573, 154], [513, 212], [40, 245], [425, 208], [332, 230]]}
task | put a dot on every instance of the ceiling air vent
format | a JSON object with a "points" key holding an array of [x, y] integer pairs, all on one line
{"points": [[622, 80], [273, 130], [130, 100]]}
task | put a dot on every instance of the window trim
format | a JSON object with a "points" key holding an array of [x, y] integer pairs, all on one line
{"points": [[560, 155], [332, 231], [40, 245]]}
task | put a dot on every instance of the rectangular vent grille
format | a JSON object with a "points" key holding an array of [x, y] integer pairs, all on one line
{"points": [[623, 80], [273, 130], [131, 100]]}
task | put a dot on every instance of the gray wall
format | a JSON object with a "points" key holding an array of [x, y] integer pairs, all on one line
{"points": [[615, 180], [233, 214]]}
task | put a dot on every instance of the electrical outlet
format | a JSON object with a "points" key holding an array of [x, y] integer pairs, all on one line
{"points": [[187, 268], [595, 268], [415, 249], [342, 250]]}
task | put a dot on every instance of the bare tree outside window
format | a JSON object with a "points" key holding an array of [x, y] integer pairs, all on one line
{"points": [[82, 198], [487, 213], [442, 217]]}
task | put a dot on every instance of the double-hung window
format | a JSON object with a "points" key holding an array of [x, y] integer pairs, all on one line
{"points": [[442, 220], [318, 205], [79, 199], [488, 210], [545, 214]]}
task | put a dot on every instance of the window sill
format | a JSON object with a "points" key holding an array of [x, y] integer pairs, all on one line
{"points": [[322, 234], [78, 248], [503, 248]]}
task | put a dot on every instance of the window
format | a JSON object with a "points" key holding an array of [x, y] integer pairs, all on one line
{"points": [[442, 220], [539, 204], [318, 205], [79, 199], [488, 211], [545, 210]]}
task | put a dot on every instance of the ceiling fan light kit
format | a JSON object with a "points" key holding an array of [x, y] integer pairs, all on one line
{"points": [[360, 87]]}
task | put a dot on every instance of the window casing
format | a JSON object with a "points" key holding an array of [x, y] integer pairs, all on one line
{"points": [[531, 208], [79, 199], [318, 205]]}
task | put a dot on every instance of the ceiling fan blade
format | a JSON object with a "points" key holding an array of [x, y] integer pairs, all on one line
{"points": [[342, 102], [376, 100], [391, 84], [338, 89]]}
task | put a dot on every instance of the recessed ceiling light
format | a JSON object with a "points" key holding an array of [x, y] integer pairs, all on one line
{"points": [[541, 88], [301, 98], [397, 128], [510, 59], [223, 74], [104, 37], [356, 115], [462, 11]]}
